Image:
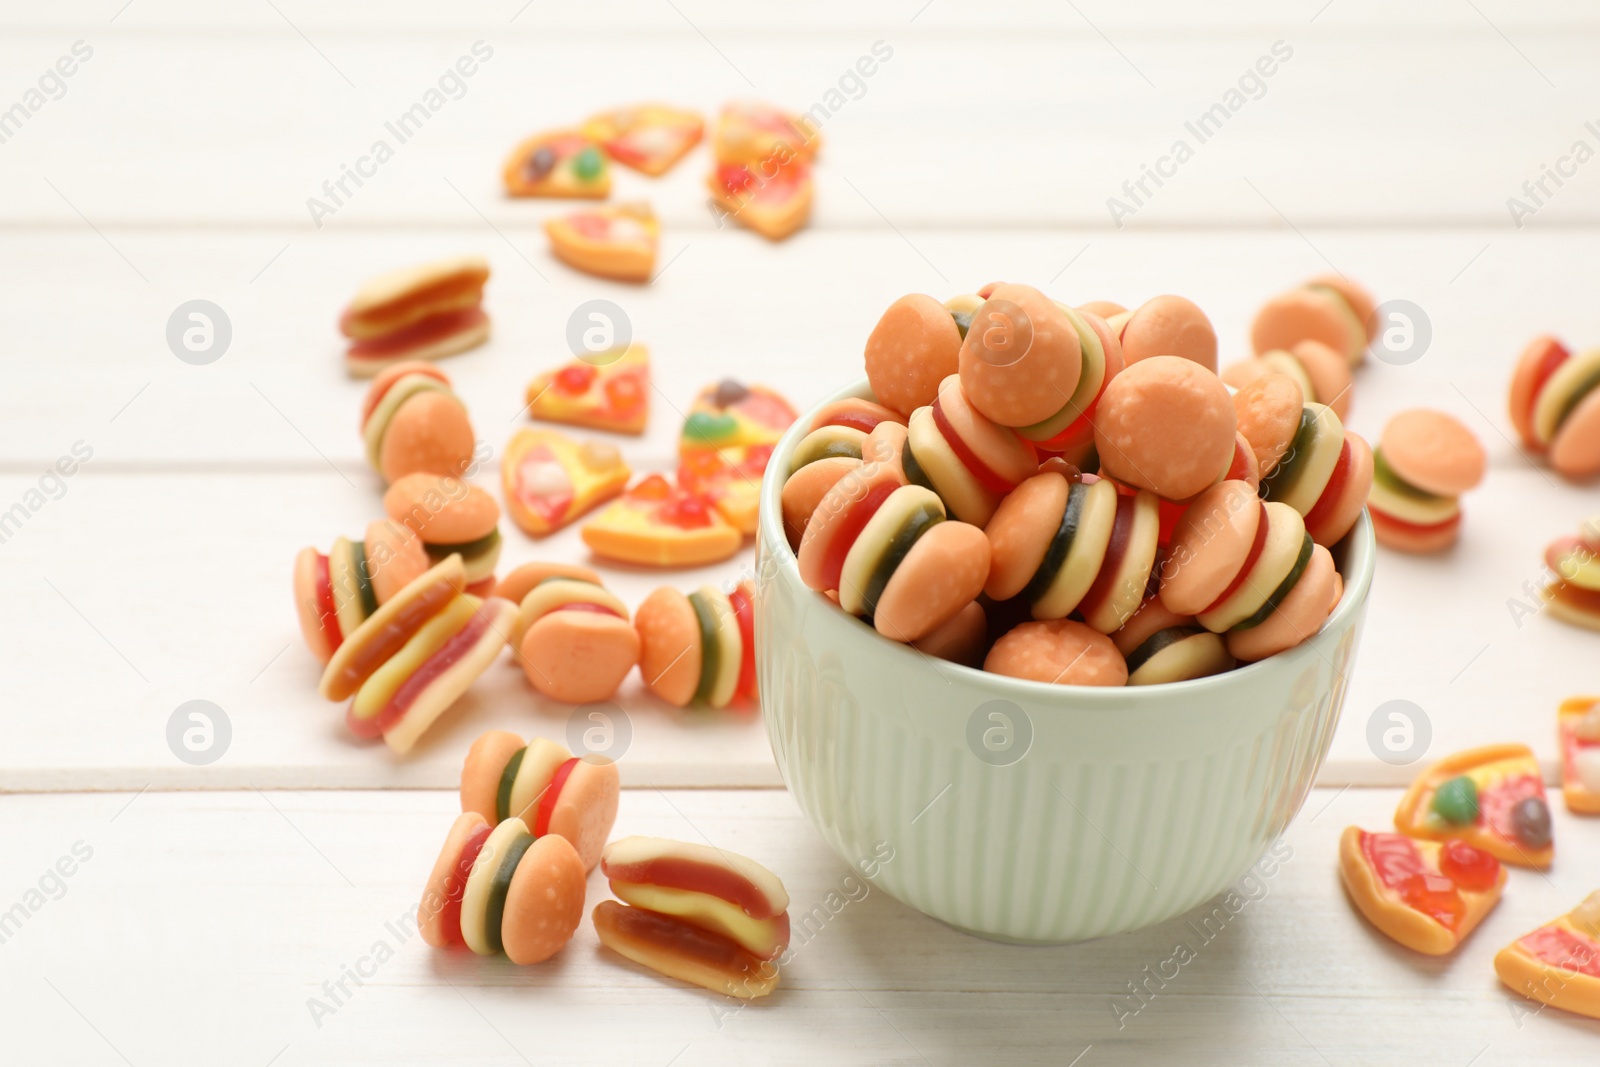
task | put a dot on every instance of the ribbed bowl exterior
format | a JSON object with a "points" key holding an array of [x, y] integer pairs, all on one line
{"points": [[1026, 812]]}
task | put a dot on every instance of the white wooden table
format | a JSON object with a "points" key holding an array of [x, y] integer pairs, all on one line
{"points": [[175, 163]]}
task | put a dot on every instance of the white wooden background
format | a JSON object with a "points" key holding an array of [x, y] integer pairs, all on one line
{"points": [[177, 165]]}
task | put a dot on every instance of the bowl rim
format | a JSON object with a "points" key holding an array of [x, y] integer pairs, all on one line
{"points": [[1360, 553]]}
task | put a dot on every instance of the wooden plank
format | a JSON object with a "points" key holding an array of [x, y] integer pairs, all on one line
{"points": [[631, 17], [247, 437], [1023, 131], [240, 907], [794, 316], [191, 603]]}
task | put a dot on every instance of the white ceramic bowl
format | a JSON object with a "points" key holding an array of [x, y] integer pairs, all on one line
{"points": [[1021, 811]]}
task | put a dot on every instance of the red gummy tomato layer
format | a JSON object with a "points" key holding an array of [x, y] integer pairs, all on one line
{"points": [[1121, 533], [455, 886], [1168, 512], [1079, 435], [1074, 429], [418, 334], [449, 653], [327, 614], [1250, 559], [1553, 358], [1332, 491], [864, 421], [552, 793], [850, 524], [672, 872], [980, 471], [1575, 597], [674, 938], [1557, 551], [744, 613], [1239, 466], [374, 398], [1383, 518]]}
